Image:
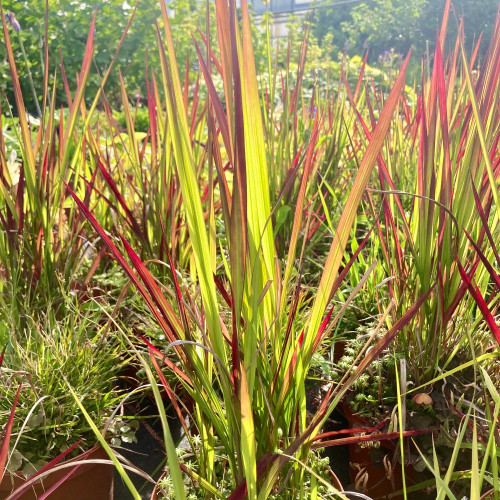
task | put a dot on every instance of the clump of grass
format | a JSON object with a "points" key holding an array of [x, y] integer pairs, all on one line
{"points": [[48, 352], [248, 374], [440, 201]]}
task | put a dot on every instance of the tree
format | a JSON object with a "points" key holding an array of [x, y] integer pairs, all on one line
{"points": [[398, 24], [68, 26]]}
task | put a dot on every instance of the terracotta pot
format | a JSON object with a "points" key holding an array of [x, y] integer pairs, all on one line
{"points": [[367, 467], [89, 482], [156, 491], [338, 350]]}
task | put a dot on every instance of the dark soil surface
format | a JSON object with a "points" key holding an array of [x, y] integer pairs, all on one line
{"points": [[148, 454]]}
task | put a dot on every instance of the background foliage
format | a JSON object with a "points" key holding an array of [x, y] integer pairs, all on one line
{"points": [[68, 27], [383, 25]]}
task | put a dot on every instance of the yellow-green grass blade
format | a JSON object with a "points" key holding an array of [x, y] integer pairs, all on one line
{"points": [[223, 33], [173, 462], [106, 447], [179, 134], [479, 359], [95, 102], [401, 430], [491, 448], [261, 265], [176, 88], [80, 92], [30, 169], [248, 438], [299, 213], [129, 122], [442, 485], [454, 455], [349, 213], [475, 488], [203, 482], [480, 131]]}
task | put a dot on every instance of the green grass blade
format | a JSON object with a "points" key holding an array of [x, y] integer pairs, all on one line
{"points": [[106, 447]]}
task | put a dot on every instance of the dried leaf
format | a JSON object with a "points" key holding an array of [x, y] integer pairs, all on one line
{"points": [[422, 398]]}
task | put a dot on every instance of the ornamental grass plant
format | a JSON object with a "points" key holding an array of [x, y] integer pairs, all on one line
{"points": [[246, 375], [51, 333], [439, 193]]}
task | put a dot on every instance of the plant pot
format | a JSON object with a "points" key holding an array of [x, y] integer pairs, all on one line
{"points": [[367, 463], [338, 350], [155, 495], [89, 481]]}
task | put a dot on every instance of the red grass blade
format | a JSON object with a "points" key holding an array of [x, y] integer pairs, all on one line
{"points": [[160, 355], [483, 307], [121, 200], [263, 463], [19, 492], [484, 220], [4, 447], [367, 439], [174, 327], [1, 356], [484, 260], [58, 483], [170, 393], [214, 97], [65, 80], [336, 285], [354, 430], [384, 342]]}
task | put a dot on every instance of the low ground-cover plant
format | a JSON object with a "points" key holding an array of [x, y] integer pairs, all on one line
{"points": [[46, 355]]}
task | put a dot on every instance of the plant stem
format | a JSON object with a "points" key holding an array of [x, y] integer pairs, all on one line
{"points": [[30, 78]]}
